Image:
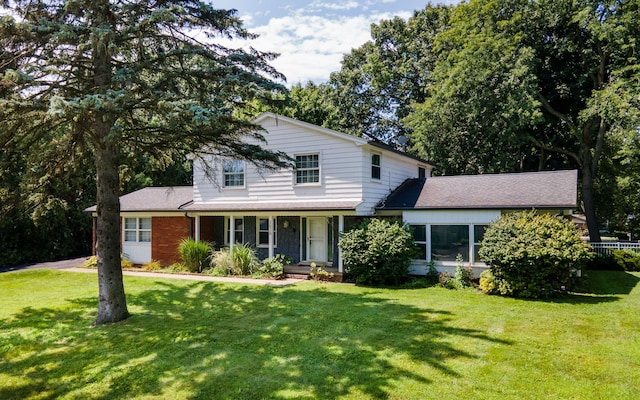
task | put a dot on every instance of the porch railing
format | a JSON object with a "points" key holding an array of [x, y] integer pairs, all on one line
{"points": [[604, 248]]}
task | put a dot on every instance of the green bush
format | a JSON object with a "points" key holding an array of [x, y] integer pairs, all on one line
{"points": [[195, 255], [627, 259], [241, 260], [533, 255], [273, 267], [604, 262], [463, 276], [446, 281], [378, 252], [488, 283]]}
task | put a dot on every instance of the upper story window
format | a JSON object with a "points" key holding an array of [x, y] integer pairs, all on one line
{"points": [[234, 173], [375, 166], [137, 230], [307, 168]]}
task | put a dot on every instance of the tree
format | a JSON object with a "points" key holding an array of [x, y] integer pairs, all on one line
{"points": [[144, 75], [540, 72], [378, 81]]}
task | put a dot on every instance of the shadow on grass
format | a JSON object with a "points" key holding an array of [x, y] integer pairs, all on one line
{"points": [[206, 340]]}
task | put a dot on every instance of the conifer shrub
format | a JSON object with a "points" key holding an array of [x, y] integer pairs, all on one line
{"points": [[378, 252], [533, 255], [626, 259]]}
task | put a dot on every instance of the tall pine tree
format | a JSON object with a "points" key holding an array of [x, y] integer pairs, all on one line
{"points": [[147, 75]]}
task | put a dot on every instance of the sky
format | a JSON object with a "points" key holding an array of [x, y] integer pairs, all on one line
{"points": [[313, 35]]}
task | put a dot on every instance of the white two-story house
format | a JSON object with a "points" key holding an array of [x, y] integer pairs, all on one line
{"points": [[335, 180]]}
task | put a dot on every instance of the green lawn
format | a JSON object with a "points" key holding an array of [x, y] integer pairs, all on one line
{"points": [[229, 341]]}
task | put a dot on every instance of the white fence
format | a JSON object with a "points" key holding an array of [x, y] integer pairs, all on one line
{"points": [[607, 247]]}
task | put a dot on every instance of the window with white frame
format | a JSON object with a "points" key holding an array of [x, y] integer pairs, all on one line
{"points": [[137, 230], [420, 238], [234, 173], [375, 166], [237, 229], [478, 235], [307, 168], [263, 232], [447, 241]]}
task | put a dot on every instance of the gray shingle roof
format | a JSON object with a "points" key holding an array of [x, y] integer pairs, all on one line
{"points": [[155, 199], [548, 189]]}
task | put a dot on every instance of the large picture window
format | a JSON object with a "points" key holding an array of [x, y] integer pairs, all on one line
{"points": [[137, 230], [263, 232], [447, 241], [234, 173], [307, 168]]}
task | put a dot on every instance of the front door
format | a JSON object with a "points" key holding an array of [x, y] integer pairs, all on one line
{"points": [[317, 238]]}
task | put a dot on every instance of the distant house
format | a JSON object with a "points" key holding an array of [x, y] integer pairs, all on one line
{"points": [[337, 180]]}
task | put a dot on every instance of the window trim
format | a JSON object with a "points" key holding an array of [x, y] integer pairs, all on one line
{"points": [[227, 230], [225, 174], [296, 169], [377, 167], [428, 242], [275, 232], [138, 230]]}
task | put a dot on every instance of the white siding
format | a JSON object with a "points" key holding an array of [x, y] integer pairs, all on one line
{"points": [[418, 217], [340, 170], [394, 169]]}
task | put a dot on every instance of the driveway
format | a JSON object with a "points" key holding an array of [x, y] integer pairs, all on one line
{"points": [[63, 264]]}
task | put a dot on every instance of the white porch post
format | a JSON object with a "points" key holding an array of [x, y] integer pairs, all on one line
{"points": [[196, 234], [340, 230], [232, 231], [271, 236]]}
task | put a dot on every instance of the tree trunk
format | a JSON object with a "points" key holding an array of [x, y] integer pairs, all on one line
{"points": [[587, 198], [112, 303]]}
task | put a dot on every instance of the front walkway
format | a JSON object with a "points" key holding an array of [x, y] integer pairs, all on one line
{"points": [[194, 277]]}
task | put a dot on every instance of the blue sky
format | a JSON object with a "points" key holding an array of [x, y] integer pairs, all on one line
{"points": [[312, 35]]}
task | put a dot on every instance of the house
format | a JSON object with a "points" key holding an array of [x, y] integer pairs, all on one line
{"points": [[337, 180], [449, 214]]}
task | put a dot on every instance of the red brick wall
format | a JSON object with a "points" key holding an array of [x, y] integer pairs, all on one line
{"points": [[166, 234]]}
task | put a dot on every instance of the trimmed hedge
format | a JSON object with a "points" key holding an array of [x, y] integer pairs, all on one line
{"points": [[378, 252], [532, 255]]}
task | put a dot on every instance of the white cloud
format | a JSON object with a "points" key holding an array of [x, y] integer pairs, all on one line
{"points": [[334, 6], [312, 46]]}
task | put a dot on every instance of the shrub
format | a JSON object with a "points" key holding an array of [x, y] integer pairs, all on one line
{"points": [[318, 273], [432, 276], [445, 280], [245, 260], [125, 262], [91, 262], [152, 266], [533, 255], [627, 259], [195, 255], [273, 267], [604, 262], [241, 260], [378, 252], [488, 283], [463, 277]]}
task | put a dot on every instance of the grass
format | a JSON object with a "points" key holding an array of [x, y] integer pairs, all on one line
{"points": [[190, 340]]}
